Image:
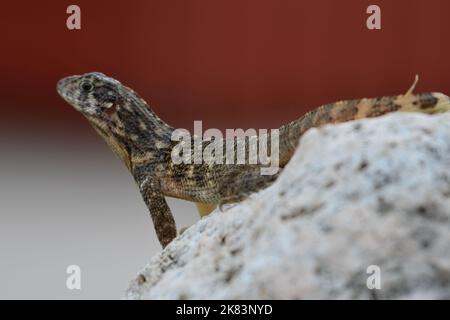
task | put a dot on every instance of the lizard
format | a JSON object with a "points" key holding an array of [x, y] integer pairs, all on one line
{"points": [[143, 142]]}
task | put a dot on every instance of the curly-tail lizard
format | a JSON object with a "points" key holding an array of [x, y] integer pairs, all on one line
{"points": [[143, 142]]}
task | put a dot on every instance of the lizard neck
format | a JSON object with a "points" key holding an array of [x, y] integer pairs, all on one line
{"points": [[134, 132], [143, 128]]}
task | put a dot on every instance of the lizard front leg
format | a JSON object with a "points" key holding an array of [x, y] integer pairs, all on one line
{"points": [[162, 217]]}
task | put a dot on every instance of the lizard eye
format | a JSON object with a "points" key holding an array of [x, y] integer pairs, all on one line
{"points": [[86, 86]]}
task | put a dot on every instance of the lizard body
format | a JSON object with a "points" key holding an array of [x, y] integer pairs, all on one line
{"points": [[144, 143]]}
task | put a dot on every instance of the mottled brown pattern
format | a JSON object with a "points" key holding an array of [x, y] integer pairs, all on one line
{"points": [[382, 106], [143, 142], [428, 101]]}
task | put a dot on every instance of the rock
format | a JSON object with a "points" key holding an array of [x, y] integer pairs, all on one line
{"points": [[362, 193]]}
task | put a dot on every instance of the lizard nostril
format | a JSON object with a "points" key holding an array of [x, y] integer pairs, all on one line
{"points": [[64, 83], [60, 85]]}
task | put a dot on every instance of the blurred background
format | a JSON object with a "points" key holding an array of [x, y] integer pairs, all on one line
{"points": [[66, 199]]}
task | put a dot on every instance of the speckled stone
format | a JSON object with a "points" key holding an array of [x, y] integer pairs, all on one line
{"points": [[368, 192]]}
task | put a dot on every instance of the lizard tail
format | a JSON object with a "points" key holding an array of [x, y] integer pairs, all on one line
{"points": [[343, 111]]}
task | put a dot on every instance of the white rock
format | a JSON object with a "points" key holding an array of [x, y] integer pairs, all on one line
{"points": [[368, 192]]}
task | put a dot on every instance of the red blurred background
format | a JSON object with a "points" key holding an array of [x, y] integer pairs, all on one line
{"points": [[230, 63]]}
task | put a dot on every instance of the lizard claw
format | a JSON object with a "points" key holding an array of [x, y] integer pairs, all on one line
{"points": [[182, 230]]}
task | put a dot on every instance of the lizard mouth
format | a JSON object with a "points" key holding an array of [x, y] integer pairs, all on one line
{"points": [[64, 88], [68, 89]]}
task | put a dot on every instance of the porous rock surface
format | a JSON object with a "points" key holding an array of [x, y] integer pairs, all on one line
{"points": [[367, 192]]}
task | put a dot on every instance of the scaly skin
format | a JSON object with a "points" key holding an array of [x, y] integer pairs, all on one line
{"points": [[143, 142]]}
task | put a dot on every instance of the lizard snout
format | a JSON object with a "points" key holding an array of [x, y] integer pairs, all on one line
{"points": [[68, 90], [63, 85]]}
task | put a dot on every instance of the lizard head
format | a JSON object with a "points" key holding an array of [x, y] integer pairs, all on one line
{"points": [[92, 94], [98, 98], [115, 111]]}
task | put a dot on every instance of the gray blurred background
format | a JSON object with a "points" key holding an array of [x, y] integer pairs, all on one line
{"points": [[63, 204]]}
